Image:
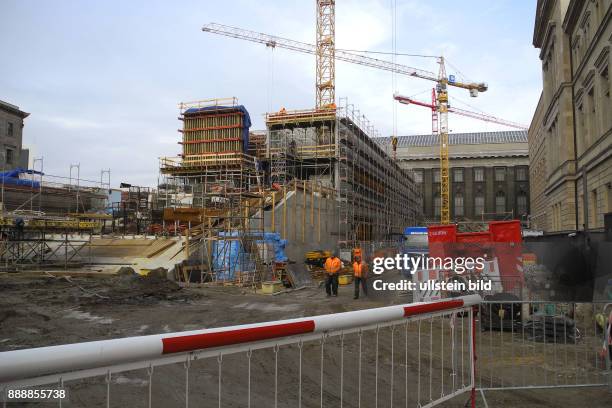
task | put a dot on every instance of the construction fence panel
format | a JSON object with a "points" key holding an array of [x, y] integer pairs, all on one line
{"points": [[542, 344], [415, 355]]}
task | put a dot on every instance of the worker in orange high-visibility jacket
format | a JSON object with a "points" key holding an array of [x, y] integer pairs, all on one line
{"points": [[333, 264], [360, 275]]}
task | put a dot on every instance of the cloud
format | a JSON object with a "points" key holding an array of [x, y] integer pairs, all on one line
{"points": [[362, 25]]}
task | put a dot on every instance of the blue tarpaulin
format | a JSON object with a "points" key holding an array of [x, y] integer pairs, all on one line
{"points": [[12, 177], [246, 122], [279, 244], [229, 255]]}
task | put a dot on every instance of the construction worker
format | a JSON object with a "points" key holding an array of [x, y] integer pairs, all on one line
{"points": [[332, 269], [360, 274]]}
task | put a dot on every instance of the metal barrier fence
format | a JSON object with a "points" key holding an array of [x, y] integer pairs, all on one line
{"points": [[541, 345], [418, 355]]}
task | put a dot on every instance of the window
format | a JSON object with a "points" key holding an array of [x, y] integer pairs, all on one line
{"points": [[521, 174], [436, 175], [587, 29], [479, 205], [581, 129], [500, 203], [9, 156], [479, 174], [605, 99], [458, 175], [10, 129], [437, 206], [576, 48], [418, 176], [500, 174], [521, 204], [593, 216], [459, 205], [592, 129], [581, 212]]}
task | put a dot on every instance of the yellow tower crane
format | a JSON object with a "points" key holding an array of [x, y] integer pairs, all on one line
{"points": [[326, 55], [442, 108], [326, 48]]}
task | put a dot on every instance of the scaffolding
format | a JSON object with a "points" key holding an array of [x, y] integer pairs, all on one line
{"points": [[224, 224], [224, 182], [45, 241], [301, 145], [135, 212], [221, 187], [47, 220], [44, 194], [375, 197]]}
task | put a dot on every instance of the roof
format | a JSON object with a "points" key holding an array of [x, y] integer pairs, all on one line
{"points": [[511, 136], [9, 107]]}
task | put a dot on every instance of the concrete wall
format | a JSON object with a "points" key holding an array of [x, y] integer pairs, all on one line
{"points": [[307, 227]]}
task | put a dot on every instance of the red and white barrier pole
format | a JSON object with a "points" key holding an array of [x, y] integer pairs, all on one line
{"points": [[35, 362]]}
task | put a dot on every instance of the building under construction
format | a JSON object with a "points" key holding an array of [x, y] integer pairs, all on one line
{"points": [[315, 179], [47, 223], [375, 198]]}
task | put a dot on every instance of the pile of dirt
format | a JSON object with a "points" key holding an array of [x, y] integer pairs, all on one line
{"points": [[131, 288], [127, 287]]}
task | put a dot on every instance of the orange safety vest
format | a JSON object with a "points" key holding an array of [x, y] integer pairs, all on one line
{"points": [[333, 265], [360, 269]]}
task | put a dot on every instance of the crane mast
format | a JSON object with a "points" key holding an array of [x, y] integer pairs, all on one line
{"points": [[434, 112], [439, 105], [442, 108], [326, 60]]}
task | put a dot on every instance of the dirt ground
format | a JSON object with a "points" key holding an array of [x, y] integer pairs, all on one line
{"points": [[43, 311]]}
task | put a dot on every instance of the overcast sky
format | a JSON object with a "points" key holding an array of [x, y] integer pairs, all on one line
{"points": [[102, 79]]}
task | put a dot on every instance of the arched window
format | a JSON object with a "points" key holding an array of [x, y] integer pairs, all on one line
{"points": [[459, 205], [479, 205], [500, 202]]}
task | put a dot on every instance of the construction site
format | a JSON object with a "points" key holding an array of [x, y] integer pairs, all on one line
{"points": [[216, 285]]}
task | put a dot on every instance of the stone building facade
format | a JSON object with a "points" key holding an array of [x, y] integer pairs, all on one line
{"points": [[489, 174], [570, 137], [12, 154]]}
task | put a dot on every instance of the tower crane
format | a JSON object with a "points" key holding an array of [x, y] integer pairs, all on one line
{"points": [[328, 82], [326, 55], [475, 115]]}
